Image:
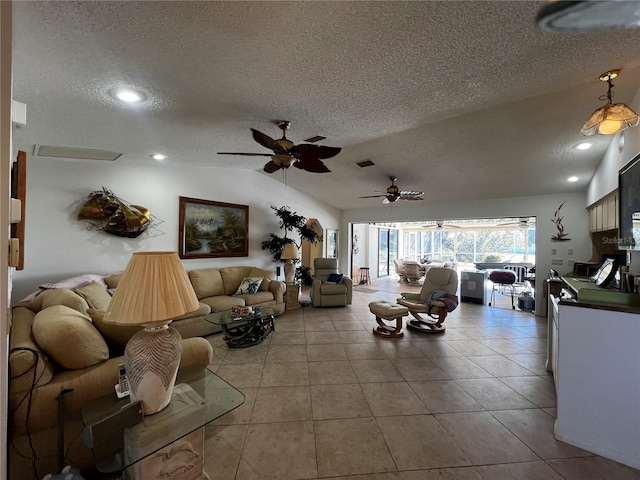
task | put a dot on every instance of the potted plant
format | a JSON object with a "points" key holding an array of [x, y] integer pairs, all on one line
{"points": [[291, 223]]}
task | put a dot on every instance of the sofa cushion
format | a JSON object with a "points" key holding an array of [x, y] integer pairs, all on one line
{"points": [[220, 303], [29, 365], [207, 282], [95, 294], [333, 289], [257, 298], [59, 296], [112, 280], [115, 335], [335, 278], [268, 275], [232, 276], [69, 337], [249, 285]]}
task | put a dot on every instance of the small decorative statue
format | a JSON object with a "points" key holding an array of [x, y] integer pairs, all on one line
{"points": [[557, 219]]}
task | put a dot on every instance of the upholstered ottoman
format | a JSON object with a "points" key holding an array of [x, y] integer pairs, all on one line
{"points": [[388, 311]]}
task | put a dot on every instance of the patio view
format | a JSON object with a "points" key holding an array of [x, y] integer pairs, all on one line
{"points": [[462, 242]]}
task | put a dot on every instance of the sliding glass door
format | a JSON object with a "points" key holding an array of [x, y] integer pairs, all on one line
{"points": [[387, 251]]}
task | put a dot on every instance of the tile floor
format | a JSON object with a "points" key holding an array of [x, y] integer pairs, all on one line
{"points": [[325, 398]]}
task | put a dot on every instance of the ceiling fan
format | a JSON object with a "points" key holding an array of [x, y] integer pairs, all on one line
{"points": [[393, 193], [523, 222], [304, 156], [440, 225]]}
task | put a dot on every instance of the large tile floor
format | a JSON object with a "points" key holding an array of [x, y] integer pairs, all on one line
{"points": [[325, 398]]}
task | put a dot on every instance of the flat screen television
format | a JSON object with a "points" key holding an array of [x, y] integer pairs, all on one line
{"points": [[629, 210]]}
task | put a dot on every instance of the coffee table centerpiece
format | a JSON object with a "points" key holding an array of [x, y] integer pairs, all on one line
{"points": [[245, 326]]}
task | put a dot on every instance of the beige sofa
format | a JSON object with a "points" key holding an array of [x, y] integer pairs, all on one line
{"points": [[218, 288], [59, 341]]}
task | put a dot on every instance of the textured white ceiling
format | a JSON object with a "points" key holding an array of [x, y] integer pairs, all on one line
{"points": [[463, 100]]}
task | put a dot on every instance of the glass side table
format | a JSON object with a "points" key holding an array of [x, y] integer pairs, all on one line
{"points": [[145, 449], [242, 331]]}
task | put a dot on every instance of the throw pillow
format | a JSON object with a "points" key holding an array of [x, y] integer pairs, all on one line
{"points": [[95, 294], [116, 336], [59, 296], [249, 285], [335, 278], [267, 275], [69, 338]]}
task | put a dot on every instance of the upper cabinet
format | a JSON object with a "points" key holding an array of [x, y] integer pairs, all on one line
{"points": [[603, 215]]}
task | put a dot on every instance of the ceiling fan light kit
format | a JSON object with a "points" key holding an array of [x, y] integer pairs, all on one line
{"points": [[613, 117], [304, 156]]}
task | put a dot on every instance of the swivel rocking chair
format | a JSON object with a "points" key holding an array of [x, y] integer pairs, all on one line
{"points": [[436, 279]]}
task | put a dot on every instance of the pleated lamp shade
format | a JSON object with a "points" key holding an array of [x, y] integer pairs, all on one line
{"points": [[153, 290]]}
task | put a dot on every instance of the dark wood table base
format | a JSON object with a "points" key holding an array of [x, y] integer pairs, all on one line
{"points": [[389, 331]]}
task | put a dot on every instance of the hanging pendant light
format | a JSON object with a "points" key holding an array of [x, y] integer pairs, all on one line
{"points": [[613, 117]]}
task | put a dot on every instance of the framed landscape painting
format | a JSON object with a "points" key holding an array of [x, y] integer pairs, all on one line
{"points": [[210, 229]]}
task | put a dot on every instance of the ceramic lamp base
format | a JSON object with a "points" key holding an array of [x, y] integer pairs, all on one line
{"points": [[152, 357], [289, 270]]}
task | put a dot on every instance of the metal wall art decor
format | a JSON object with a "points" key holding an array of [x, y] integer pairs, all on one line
{"points": [[212, 229], [109, 213], [557, 219]]}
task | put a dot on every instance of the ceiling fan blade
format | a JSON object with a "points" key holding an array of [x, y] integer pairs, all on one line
{"points": [[311, 165], [305, 150], [374, 196], [271, 167], [246, 154], [268, 142], [410, 197]]}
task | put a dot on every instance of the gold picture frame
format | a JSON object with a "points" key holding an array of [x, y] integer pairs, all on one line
{"points": [[209, 229]]}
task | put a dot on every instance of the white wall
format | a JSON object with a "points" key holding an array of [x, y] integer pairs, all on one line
{"points": [[59, 246], [576, 223]]}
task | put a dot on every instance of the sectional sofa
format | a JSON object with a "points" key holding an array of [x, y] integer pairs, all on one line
{"points": [[59, 341]]}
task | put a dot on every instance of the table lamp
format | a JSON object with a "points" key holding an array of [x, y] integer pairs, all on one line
{"points": [[154, 289], [289, 253]]}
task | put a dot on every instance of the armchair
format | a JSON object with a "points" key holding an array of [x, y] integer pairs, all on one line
{"points": [[324, 293], [399, 266], [440, 280]]}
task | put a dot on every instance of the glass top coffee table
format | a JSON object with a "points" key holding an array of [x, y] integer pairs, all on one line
{"points": [[120, 438], [242, 331]]}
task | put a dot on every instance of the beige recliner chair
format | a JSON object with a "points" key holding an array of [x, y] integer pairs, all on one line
{"points": [[325, 293], [441, 280]]}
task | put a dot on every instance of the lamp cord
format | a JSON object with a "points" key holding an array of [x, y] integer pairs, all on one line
{"points": [[28, 397]]}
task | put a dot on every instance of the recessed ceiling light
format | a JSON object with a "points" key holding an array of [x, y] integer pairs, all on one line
{"points": [[158, 156], [583, 146], [572, 179], [128, 95]]}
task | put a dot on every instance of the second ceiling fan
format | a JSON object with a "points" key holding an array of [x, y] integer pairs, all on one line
{"points": [[394, 193], [304, 156]]}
